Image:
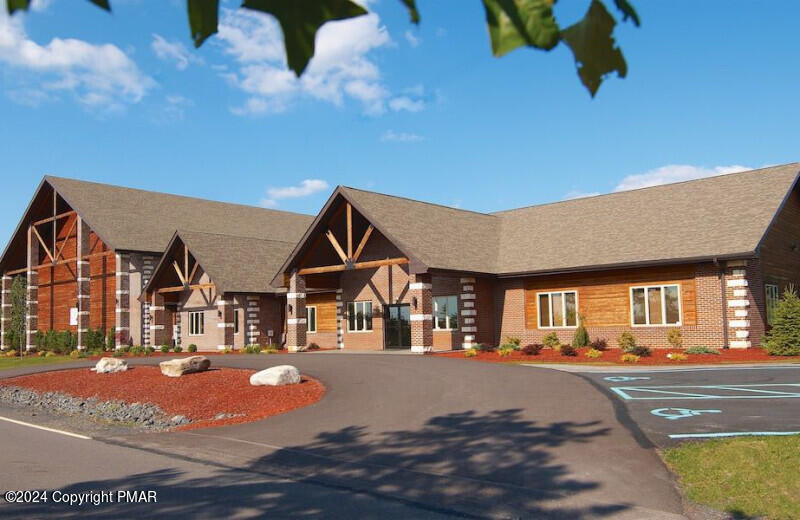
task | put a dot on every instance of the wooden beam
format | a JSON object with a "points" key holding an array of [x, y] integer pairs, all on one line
{"points": [[194, 270], [358, 265], [41, 241], [185, 260], [363, 242], [60, 262], [185, 288], [66, 239], [336, 246], [178, 270], [56, 217], [349, 230]]}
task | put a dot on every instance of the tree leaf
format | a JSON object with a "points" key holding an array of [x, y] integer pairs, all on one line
{"points": [[628, 12], [14, 5], [102, 4], [203, 18], [513, 23], [596, 54], [412, 10], [300, 22]]}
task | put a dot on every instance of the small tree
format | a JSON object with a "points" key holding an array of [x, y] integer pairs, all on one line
{"points": [[784, 337], [551, 340], [626, 341], [581, 337], [111, 341], [19, 288], [675, 338]]}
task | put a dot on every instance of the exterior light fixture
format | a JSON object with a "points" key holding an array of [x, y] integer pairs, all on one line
{"points": [[414, 301]]}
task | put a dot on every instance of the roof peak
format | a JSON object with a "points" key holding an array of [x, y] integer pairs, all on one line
{"points": [[417, 201]]}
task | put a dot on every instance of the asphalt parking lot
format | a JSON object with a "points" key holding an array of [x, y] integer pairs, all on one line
{"points": [[672, 406]]}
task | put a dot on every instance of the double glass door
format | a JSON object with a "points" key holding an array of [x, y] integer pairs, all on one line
{"points": [[397, 326]]}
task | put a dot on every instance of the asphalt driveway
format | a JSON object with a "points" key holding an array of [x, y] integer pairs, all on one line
{"points": [[441, 436]]}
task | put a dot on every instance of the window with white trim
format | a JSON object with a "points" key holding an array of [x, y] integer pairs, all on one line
{"points": [[359, 316], [656, 305], [557, 309], [197, 323], [772, 300], [445, 313], [235, 321], [73, 316], [311, 318]]}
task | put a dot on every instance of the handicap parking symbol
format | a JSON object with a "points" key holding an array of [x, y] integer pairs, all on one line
{"points": [[672, 414], [622, 379]]}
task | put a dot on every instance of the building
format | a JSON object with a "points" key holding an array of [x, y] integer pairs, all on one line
{"points": [[371, 271]]}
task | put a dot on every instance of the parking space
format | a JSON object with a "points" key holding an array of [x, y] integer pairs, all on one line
{"points": [[699, 403]]}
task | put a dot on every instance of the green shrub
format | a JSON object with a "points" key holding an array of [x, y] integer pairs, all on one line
{"points": [[312, 346], [551, 340], [483, 347], [629, 358], [505, 350], [626, 341], [164, 348], [568, 350], [60, 342], [95, 339], [136, 351], [783, 339], [513, 341], [701, 350], [111, 342], [177, 348], [470, 352], [148, 351], [252, 349], [117, 353], [581, 337], [593, 353], [675, 338], [192, 348], [74, 354]]}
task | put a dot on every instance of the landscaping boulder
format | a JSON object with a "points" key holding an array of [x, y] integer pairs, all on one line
{"points": [[108, 365], [276, 376], [183, 366]]}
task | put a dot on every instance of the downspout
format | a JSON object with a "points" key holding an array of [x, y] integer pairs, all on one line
{"points": [[723, 302]]}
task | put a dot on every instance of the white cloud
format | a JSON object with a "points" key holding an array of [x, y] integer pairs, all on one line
{"points": [[390, 136], [173, 51], [306, 188], [99, 75], [173, 110], [412, 38], [406, 103], [577, 194], [674, 173], [341, 68]]}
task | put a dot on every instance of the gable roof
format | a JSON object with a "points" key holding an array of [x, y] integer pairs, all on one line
{"points": [[235, 264], [719, 217], [129, 219]]}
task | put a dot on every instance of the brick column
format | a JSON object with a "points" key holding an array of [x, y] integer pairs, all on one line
{"points": [[157, 317], [83, 275], [147, 273], [5, 309], [296, 313], [738, 304], [32, 297], [177, 329], [225, 322], [122, 327], [419, 290], [251, 320], [469, 313], [339, 320]]}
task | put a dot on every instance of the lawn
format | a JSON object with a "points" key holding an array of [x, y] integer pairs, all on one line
{"points": [[27, 361], [745, 476]]}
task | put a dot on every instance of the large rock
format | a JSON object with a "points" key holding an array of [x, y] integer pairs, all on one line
{"points": [[276, 376], [183, 366], [108, 365]]}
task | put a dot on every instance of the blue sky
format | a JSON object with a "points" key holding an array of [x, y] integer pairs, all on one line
{"points": [[422, 112]]}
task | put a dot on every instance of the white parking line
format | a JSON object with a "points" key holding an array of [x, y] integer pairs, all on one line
{"points": [[750, 391], [726, 434], [53, 430]]}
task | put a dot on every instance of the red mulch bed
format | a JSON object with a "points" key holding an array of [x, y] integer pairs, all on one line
{"points": [[612, 356], [200, 396]]}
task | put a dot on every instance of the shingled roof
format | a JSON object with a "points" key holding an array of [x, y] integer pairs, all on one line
{"points": [[128, 219], [717, 217], [235, 264]]}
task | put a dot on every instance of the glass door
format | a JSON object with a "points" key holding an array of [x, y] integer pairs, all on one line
{"points": [[397, 326]]}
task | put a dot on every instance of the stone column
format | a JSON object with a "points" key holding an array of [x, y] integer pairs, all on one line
{"points": [[5, 310], [84, 282], [157, 316], [252, 320], [32, 297], [339, 320], [147, 273], [738, 302], [469, 313], [296, 313], [122, 327], [225, 322], [419, 290], [178, 329]]}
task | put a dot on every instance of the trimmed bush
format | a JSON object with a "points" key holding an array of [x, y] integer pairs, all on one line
{"points": [[639, 350], [626, 341], [783, 339], [513, 341], [252, 349], [701, 350], [505, 350], [629, 358], [593, 353], [111, 342], [177, 348], [136, 351], [677, 356], [192, 348], [470, 352], [599, 344], [164, 349], [148, 351], [581, 337], [568, 350], [675, 338], [551, 340], [532, 350]]}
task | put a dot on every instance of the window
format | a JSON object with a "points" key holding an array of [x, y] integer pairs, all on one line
{"points": [[359, 316], [196, 323], [445, 313], [772, 301], [236, 321], [558, 309], [311, 318], [656, 305], [73, 316]]}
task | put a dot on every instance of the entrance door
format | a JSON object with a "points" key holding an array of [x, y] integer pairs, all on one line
{"points": [[397, 326]]}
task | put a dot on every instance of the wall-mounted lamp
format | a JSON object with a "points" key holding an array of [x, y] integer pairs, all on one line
{"points": [[291, 309], [414, 301], [219, 313]]}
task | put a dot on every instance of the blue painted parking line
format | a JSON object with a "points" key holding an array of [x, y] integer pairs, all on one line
{"points": [[754, 391], [726, 434]]}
